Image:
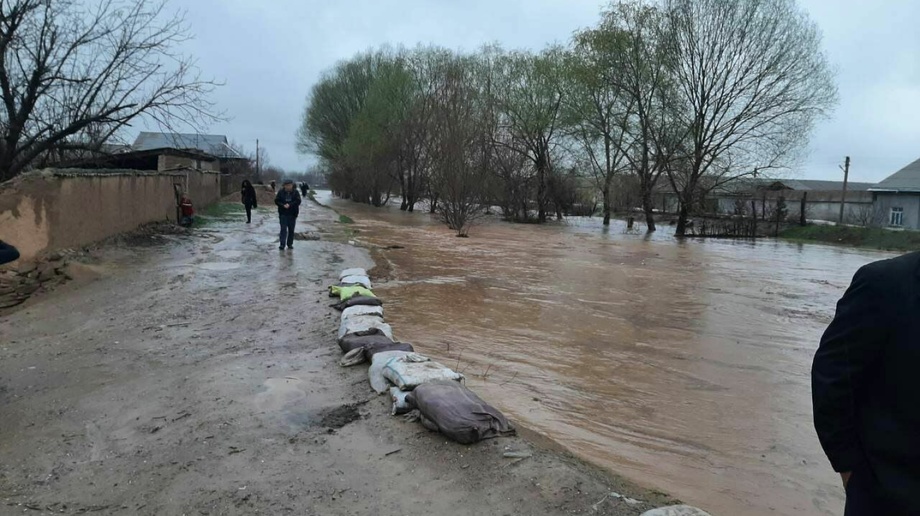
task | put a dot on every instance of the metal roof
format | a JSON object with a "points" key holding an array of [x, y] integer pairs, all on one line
{"points": [[905, 180], [213, 144]]}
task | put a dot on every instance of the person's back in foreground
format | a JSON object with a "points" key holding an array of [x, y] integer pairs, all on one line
{"points": [[8, 253], [288, 202], [866, 391]]}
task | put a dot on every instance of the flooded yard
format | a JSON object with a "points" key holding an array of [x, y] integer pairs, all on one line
{"points": [[682, 365]]}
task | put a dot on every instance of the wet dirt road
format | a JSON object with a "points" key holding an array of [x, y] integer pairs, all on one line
{"points": [[201, 377], [684, 366]]}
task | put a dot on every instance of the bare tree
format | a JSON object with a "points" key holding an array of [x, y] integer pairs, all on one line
{"points": [[867, 215], [462, 146], [73, 74], [751, 79]]}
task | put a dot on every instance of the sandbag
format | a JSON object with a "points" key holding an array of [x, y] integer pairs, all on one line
{"points": [[346, 293], [457, 412], [372, 348], [375, 341], [352, 272], [400, 403], [375, 372], [364, 281], [357, 301], [409, 371], [353, 358], [364, 325], [362, 310]]}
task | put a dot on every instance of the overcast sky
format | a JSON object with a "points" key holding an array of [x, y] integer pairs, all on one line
{"points": [[270, 52]]}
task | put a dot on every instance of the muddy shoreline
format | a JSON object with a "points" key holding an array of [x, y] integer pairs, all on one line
{"points": [[201, 377]]}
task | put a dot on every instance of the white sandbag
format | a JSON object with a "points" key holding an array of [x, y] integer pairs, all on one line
{"points": [[400, 404], [353, 272], [409, 371], [375, 373], [676, 510], [364, 281], [353, 358], [364, 325], [352, 311]]}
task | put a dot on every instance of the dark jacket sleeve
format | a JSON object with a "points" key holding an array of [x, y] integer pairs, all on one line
{"points": [[297, 199], [278, 201], [849, 348], [8, 253]]}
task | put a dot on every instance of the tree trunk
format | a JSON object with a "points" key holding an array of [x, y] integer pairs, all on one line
{"points": [[434, 204], [649, 210], [606, 193], [802, 219], [682, 218]]}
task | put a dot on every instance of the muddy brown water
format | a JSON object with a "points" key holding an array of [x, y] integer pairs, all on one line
{"points": [[683, 365]]}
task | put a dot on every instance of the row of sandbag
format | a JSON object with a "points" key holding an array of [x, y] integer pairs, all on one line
{"points": [[419, 386]]}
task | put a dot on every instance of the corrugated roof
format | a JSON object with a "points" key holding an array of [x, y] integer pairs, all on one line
{"points": [[905, 180], [213, 144], [826, 186]]}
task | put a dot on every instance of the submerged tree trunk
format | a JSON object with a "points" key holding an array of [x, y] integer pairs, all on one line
{"points": [[649, 210], [682, 219], [606, 193]]}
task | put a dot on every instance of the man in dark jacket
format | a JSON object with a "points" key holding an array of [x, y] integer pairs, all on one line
{"points": [[288, 201], [866, 389], [8, 253]]}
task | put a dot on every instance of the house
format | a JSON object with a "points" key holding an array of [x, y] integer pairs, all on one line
{"points": [[897, 198], [233, 166], [162, 159], [212, 144]]}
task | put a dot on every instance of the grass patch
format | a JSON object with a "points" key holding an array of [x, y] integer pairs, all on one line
{"points": [[219, 212], [869, 238], [345, 219]]}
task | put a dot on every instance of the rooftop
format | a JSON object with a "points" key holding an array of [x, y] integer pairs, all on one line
{"points": [[905, 180], [213, 144]]}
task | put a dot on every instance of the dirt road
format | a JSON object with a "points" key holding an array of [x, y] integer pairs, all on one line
{"points": [[200, 377]]}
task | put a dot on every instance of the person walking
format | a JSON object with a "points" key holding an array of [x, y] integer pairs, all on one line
{"points": [[8, 253], [304, 188], [865, 390], [288, 202], [249, 198]]}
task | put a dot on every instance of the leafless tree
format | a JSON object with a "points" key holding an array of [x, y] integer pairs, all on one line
{"points": [[866, 215], [751, 80], [73, 74], [462, 148]]}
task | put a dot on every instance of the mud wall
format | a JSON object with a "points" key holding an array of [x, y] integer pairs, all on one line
{"points": [[48, 210]]}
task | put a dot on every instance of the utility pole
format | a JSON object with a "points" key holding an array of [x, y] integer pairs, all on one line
{"points": [[258, 172], [846, 178]]}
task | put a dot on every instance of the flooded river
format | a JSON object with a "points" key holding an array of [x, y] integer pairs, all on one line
{"points": [[681, 365]]}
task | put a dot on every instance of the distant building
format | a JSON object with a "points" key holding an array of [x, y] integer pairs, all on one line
{"points": [[233, 166], [162, 159], [897, 198], [760, 195], [214, 144]]}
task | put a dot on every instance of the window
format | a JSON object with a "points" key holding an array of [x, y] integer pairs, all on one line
{"points": [[897, 217]]}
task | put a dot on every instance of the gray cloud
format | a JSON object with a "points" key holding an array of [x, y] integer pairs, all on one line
{"points": [[269, 53]]}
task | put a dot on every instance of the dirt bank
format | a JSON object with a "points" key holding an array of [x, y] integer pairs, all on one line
{"points": [[199, 376]]}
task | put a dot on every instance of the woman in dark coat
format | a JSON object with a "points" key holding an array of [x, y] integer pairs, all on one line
{"points": [[249, 199]]}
